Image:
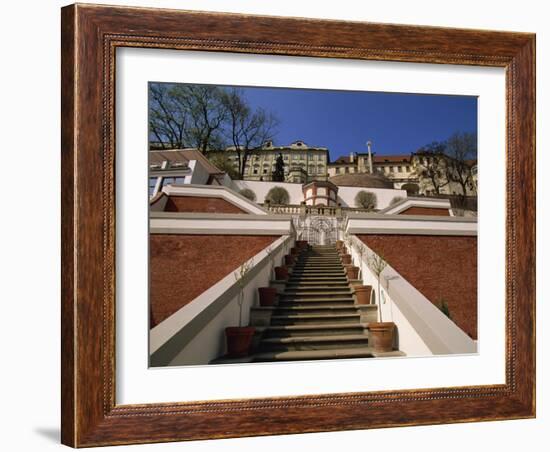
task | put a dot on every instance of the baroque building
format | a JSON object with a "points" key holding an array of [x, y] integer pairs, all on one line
{"points": [[303, 163], [404, 171]]}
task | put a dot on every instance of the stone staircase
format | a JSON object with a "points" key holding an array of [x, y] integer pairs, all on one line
{"points": [[316, 316]]}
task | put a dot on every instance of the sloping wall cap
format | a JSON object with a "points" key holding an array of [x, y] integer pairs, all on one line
{"points": [[219, 224], [377, 223], [404, 204]]}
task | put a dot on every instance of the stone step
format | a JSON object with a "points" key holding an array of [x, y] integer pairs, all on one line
{"points": [[310, 355], [319, 258], [331, 318], [314, 293], [318, 304], [316, 281], [324, 329], [348, 308], [316, 299], [335, 341], [319, 281], [317, 284], [314, 272], [338, 265]]}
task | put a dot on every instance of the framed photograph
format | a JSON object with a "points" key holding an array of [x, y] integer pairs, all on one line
{"points": [[282, 225]]}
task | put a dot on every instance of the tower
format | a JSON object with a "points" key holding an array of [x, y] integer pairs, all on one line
{"points": [[369, 144]]}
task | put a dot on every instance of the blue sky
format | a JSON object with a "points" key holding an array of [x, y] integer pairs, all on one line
{"points": [[343, 121]]}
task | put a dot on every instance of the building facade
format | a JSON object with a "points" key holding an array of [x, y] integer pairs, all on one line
{"points": [[303, 163], [180, 167], [406, 172]]}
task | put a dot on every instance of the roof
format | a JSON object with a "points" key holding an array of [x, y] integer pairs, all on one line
{"points": [[391, 158], [184, 155], [345, 159], [361, 180], [342, 159], [298, 145]]}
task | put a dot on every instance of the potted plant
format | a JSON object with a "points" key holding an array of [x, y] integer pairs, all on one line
{"points": [[268, 296], [362, 293], [290, 259], [281, 272], [239, 338], [352, 272], [380, 333], [339, 244], [301, 244], [346, 259]]}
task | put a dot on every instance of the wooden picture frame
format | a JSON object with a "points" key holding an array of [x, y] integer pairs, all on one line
{"points": [[90, 36]]}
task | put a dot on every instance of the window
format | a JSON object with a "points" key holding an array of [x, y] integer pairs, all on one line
{"points": [[178, 164], [172, 181], [152, 185], [265, 171], [337, 170], [255, 171], [346, 169]]}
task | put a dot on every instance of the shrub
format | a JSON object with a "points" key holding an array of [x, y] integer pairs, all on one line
{"points": [[248, 194], [396, 199], [278, 195], [444, 308], [366, 200]]}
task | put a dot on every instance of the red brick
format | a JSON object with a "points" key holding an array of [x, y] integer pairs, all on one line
{"points": [[184, 266], [200, 204], [415, 210], [440, 267]]}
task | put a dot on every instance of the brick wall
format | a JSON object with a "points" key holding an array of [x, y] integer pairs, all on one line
{"points": [[200, 204], [415, 210], [439, 267], [184, 266]]}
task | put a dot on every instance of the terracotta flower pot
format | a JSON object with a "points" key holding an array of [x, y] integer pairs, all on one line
{"points": [[381, 336], [343, 250], [346, 259], [290, 259], [239, 340], [339, 244], [301, 244], [281, 272], [362, 294], [268, 296], [294, 251], [352, 272]]}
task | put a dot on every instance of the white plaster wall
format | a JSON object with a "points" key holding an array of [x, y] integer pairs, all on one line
{"points": [[261, 188], [210, 342], [200, 175], [346, 195]]}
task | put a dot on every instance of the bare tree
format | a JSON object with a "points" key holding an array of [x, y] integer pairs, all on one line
{"points": [[167, 118], [432, 165], [208, 113], [462, 155], [186, 115], [246, 128]]}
